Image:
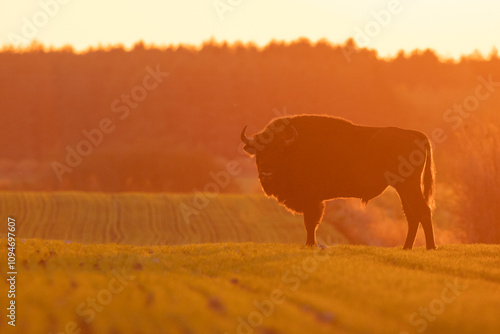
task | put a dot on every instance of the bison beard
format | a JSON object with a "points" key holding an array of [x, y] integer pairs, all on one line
{"points": [[304, 160]]}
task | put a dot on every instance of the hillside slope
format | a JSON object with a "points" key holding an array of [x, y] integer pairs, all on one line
{"points": [[154, 219]]}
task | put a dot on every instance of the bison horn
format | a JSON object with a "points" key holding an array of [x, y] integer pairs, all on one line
{"points": [[244, 137], [289, 141]]}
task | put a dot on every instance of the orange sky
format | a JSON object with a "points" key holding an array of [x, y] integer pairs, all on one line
{"points": [[451, 27]]}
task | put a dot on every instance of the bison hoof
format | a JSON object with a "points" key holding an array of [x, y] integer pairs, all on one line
{"points": [[320, 246], [428, 248]]}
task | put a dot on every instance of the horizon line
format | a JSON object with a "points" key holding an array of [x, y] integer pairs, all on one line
{"points": [[36, 45]]}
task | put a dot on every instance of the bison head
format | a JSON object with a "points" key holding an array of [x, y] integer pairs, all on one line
{"points": [[269, 146]]}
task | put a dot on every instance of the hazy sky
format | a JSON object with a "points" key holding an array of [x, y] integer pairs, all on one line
{"points": [[452, 27]]}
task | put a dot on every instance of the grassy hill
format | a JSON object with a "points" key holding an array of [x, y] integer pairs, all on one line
{"points": [[181, 263], [254, 288]]}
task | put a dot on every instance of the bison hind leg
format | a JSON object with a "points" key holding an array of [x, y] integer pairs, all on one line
{"points": [[412, 225], [417, 211]]}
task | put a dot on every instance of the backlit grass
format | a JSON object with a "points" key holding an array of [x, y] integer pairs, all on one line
{"points": [[254, 288]]}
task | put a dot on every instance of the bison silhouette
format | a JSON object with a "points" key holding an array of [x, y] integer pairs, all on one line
{"points": [[304, 160]]}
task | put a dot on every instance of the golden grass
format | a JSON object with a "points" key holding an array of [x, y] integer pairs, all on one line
{"points": [[213, 288], [173, 281]]}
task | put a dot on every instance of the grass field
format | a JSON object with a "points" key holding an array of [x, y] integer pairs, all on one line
{"points": [[254, 288], [131, 263]]}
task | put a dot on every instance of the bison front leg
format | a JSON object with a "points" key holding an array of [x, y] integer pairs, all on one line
{"points": [[312, 218]]}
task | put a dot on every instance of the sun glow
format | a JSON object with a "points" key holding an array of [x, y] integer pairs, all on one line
{"points": [[452, 28]]}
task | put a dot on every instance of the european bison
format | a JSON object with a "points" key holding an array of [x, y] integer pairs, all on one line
{"points": [[306, 159]]}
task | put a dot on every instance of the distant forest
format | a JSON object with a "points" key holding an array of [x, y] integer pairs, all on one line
{"points": [[166, 119]]}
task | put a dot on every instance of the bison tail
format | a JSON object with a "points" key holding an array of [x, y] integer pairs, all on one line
{"points": [[428, 177]]}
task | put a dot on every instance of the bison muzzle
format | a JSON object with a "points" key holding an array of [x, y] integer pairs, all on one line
{"points": [[305, 160]]}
